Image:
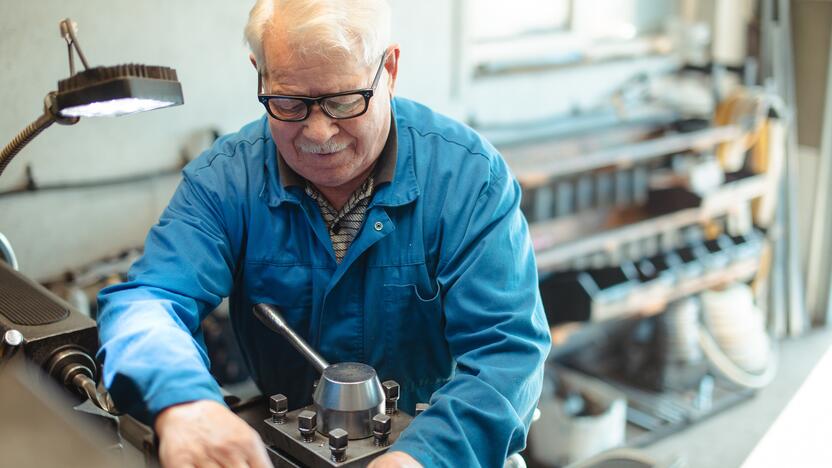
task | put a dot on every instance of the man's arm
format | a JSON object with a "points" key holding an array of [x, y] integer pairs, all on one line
{"points": [[155, 363], [496, 330], [151, 342]]}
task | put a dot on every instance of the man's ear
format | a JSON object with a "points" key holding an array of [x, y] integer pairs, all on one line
{"points": [[392, 66]]}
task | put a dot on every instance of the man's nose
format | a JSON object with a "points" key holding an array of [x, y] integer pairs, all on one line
{"points": [[319, 127]]}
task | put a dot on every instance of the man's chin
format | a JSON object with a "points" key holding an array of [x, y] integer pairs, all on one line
{"points": [[325, 179]]}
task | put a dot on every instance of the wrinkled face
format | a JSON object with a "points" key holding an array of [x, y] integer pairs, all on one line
{"points": [[332, 154]]}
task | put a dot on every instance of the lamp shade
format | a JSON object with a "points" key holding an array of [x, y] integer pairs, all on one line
{"points": [[118, 90]]}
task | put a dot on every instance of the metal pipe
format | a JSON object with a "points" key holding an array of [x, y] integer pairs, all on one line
{"points": [[270, 316], [7, 253]]}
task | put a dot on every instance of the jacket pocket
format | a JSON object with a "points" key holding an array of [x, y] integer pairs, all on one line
{"points": [[415, 343]]}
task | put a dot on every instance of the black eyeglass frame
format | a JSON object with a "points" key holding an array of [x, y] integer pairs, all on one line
{"points": [[366, 93]]}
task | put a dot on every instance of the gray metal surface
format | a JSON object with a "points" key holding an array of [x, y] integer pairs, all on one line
{"points": [[287, 448], [348, 396]]}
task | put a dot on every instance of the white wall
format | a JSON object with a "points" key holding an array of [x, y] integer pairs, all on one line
{"points": [[202, 40]]}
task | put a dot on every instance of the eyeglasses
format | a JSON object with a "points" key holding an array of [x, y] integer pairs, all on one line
{"points": [[343, 105]]}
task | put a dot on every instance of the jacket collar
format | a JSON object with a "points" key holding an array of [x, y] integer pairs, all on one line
{"points": [[403, 189]]}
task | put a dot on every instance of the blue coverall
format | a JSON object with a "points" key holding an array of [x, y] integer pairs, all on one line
{"points": [[438, 291]]}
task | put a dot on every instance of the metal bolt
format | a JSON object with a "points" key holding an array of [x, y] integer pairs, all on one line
{"points": [[391, 396], [11, 340], [13, 337], [421, 407], [382, 426], [307, 422], [338, 440], [378, 226], [278, 406]]}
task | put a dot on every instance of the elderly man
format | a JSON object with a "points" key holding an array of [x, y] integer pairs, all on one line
{"points": [[386, 233]]}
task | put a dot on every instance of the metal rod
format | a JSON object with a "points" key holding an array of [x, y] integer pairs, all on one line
{"points": [[799, 321], [270, 316], [71, 59], [68, 32], [818, 278]]}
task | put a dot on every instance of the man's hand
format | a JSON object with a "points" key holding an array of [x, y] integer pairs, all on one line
{"points": [[207, 434], [395, 460]]}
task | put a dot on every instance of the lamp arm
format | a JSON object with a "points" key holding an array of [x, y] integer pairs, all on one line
{"points": [[23, 138], [29, 133]]}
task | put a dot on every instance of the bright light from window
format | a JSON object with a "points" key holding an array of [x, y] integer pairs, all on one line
{"points": [[491, 19]]}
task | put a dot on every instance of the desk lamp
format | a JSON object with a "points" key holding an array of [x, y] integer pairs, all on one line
{"points": [[98, 92], [49, 332]]}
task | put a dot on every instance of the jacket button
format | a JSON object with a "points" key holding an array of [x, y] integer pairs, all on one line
{"points": [[378, 226]]}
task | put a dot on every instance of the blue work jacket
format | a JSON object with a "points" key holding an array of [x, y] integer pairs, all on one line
{"points": [[438, 291]]}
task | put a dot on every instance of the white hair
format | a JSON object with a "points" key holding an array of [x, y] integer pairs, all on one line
{"points": [[328, 28]]}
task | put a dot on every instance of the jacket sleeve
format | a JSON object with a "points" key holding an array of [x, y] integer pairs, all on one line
{"points": [[496, 330], [151, 342]]}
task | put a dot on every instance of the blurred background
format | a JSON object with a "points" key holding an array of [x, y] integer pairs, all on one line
{"points": [[675, 158]]}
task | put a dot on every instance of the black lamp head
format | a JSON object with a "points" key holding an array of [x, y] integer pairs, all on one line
{"points": [[117, 90]]}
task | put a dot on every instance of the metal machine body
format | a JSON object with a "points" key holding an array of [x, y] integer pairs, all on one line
{"points": [[53, 335], [287, 447], [352, 421], [348, 395]]}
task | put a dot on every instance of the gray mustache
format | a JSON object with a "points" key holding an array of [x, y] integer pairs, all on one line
{"points": [[328, 147]]}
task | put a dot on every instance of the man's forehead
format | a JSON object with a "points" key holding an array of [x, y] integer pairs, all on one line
{"points": [[302, 71], [312, 76], [284, 54]]}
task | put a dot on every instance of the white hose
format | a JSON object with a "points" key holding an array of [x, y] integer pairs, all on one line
{"points": [[728, 369]]}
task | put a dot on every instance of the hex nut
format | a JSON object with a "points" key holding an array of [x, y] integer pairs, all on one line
{"points": [[278, 403], [391, 389], [382, 424], [307, 420], [338, 438]]}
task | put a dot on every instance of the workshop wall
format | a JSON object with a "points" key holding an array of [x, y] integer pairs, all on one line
{"points": [[52, 231]]}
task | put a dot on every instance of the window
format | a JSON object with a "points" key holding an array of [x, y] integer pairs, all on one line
{"points": [[498, 19]]}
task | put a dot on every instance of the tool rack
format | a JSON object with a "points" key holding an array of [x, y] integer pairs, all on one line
{"points": [[586, 197]]}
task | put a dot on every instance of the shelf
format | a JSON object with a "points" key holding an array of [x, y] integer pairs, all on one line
{"points": [[643, 302], [536, 164], [559, 241], [652, 416]]}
